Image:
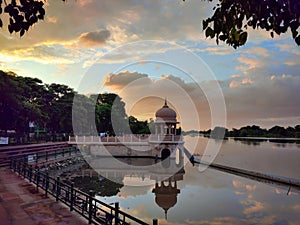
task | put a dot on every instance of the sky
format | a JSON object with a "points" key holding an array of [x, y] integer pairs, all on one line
{"points": [[147, 51]]}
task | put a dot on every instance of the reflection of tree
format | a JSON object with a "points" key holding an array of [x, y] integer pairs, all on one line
{"points": [[101, 185]]}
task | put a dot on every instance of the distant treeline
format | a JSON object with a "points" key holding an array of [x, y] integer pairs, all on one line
{"points": [[29, 106], [255, 131]]}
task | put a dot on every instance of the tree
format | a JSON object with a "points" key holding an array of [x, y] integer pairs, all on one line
{"points": [[232, 17], [138, 127], [22, 14]]}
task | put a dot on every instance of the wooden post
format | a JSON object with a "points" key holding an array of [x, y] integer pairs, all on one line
{"points": [[117, 213]]}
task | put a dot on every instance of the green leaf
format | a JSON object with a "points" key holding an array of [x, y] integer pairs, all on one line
{"points": [[209, 32], [22, 32], [10, 29], [204, 24], [243, 38], [297, 40]]}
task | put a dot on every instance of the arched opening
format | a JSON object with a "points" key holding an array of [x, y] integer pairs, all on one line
{"points": [[165, 153]]}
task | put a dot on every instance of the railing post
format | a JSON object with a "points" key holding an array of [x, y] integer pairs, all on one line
{"points": [[47, 185], [19, 167], [91, 194], [72, 197], [155, 222], [24, 169], [57, 188], [117, 213], [36, 157], [63, 152], [37, 179], [30, 173], [46, 156], [55, 153]]}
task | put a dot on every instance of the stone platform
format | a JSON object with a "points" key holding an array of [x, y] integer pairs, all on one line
{"points": [[21, 205]]}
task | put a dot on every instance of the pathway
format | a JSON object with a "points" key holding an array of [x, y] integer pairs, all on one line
{"points": [[21, 205]]}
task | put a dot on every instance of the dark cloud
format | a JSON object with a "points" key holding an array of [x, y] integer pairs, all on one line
{"points": [[123, 78], [94, 37]]}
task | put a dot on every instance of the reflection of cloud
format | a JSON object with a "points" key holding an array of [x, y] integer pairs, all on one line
{"points": [[141, 209], [296, 208], [133, 191], [219, 221], [252, 207], [237, 184]]}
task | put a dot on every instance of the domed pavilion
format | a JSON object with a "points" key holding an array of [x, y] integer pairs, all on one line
{"points": [[165, 122]]}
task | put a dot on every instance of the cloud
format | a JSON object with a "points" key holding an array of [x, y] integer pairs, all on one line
{"points": [[51, 19], [120, 80], [94, 38], [143, 95], [45, 54]]}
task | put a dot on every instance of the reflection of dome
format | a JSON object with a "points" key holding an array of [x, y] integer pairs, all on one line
{"points": [[166, 196], [166, 114]]}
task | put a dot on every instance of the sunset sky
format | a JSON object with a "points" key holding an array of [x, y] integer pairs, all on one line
{"points": [[259, 81]]}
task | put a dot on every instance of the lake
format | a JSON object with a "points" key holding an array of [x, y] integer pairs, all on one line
{"points": [[216, 197]]}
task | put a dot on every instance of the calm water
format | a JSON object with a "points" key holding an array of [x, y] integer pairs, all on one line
{"points": [[215, 197]]}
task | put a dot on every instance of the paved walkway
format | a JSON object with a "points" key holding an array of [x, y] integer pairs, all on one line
{"points": [[21, 205]]}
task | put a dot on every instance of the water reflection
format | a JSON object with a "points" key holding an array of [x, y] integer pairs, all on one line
{"points": [[179, 194]]}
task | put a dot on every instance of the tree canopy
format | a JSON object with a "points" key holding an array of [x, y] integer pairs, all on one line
{"points": [[232, 18], [50, 106]]}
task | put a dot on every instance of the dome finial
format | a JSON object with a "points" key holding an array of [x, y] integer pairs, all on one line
{"points": [[166, 104]]}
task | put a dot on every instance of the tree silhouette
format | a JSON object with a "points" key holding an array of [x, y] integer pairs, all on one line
{"points": [[22, 14], [232, 17]]}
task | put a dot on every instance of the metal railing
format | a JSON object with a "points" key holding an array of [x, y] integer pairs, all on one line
{"points": [[46, 156], [94, 210]]}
